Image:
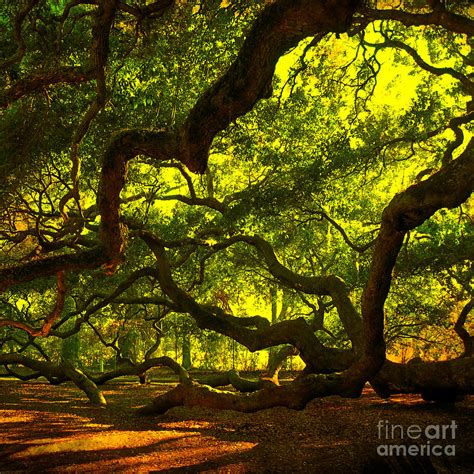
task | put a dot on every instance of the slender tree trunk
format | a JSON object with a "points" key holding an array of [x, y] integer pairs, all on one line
{"points": [[186, 347]]}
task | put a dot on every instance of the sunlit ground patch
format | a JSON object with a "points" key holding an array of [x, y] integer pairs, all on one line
{"points": [[7, 416], [138, 450], [176, 453], [198, 425], [106, 440]]}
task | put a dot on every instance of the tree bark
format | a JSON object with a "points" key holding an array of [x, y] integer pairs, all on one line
{"points": [[83, 382]]}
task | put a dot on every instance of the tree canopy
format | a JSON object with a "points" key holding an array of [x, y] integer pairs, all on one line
{"points": [[195, 180]]}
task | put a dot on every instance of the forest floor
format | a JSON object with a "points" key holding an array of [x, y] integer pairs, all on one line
{"points": [[46, 428]]}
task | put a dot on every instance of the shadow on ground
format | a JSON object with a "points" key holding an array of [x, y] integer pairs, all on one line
{"points": [[52, 429]]}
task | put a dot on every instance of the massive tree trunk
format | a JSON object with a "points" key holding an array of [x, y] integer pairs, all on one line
{"points": [[435, 381]]}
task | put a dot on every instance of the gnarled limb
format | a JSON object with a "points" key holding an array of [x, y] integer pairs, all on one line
{"points": [[123, 148], [99, 53], [83, 382], [329, 285], [27, 85], [280, 26], [255, 332], [232, 377], [140, 369], [448, 188], [58, 374], [71, 75], [50, 319], [42, 267]]}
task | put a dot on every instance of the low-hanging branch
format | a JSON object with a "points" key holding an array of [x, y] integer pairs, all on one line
{"points": [[294, 395], [329, 285], [110, 298], [232, 377], [435, 381], [58, 373], [52, 325], [64, 371], [140, 369], [466, 338]]}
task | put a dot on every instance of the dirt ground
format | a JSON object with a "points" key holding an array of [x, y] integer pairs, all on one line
{"points": [[47, 428]]}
